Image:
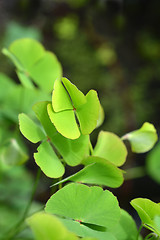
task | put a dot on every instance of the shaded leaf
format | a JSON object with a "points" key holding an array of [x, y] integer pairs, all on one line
{"points": [[126, 229], [48, 161], [30, 129], [85, 204], [110, 147], [153, 163], [143, 139]]}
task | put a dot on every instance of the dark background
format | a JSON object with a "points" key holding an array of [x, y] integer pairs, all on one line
{"points": [[110, 46]]}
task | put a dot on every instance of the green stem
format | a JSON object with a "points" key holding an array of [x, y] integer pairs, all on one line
{"points": [[91, 147], [139, 230], [135, 172], [14, 230], [150, 236]]}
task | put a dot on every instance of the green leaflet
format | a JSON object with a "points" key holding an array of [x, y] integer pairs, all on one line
{"points": [[64, 122], [72, 151], [90, 205], [143, 139], [69, 104], [110, 147], [97, 171], [30, 129], [126, 228], [147, 211], [48, 161]]}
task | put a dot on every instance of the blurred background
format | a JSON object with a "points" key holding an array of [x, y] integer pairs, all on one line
{"points": [[112, 46]]}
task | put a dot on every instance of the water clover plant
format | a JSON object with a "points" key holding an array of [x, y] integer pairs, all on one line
{"points": [[81, 207]]}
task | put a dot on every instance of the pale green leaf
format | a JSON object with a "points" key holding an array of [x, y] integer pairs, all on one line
{"points": [[99, 172], [147, 211], [30, 129], [25, 80], [48, 161], [87, 230], [45, 71], [90, 205], [28, 51], [64, 122], [110, 147], [101, 116], [88, 113], [75, 94], [126, 228], [48, 227], [72, 151], [143, 139], [60, 98], [13, 58]]}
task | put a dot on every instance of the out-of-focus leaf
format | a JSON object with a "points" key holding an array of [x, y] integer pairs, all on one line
{"points": [[143, 139], [30, 129], [153, 163], [46, 226], [12, 153], [48, 161], [110, 147]]}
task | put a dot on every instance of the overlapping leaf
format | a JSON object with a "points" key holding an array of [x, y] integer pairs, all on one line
{"points": [[110, 147], [72, 151], [97, 171], [89, 207], [143, 139], [70, 104]]}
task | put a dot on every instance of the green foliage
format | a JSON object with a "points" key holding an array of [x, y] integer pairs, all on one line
{"points": [[61, 126], [148, 211], [153, 163], [143, 139]]}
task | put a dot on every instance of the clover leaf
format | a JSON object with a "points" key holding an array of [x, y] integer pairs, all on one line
{"points": [[70, 105]]}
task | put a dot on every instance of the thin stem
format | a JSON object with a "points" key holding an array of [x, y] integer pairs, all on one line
{"points": [[139, 230], [135, 172], [14, 230], [91, 147], [150, 236]]}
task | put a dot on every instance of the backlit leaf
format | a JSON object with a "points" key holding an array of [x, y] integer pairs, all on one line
{"points": [[48, 161], [76, 95], [88, 113], [30, 129], [48, 227], [72, 151], [64, 122], [110, 147], [60, 98], [143, 139], [98, 171]]}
